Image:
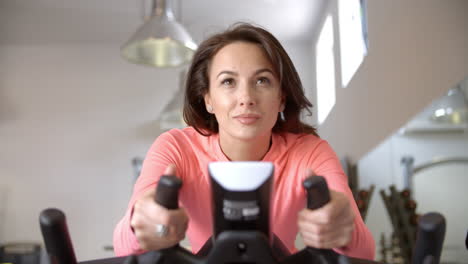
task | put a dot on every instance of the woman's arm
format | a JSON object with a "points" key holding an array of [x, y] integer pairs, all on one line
{"points": [[163, 152], [357, 242]]}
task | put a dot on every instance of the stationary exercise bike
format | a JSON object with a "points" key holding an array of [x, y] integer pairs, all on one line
{"points": [[241, 193]]}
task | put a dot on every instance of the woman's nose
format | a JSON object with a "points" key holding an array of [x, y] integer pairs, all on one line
{"points": [[247, 95]]}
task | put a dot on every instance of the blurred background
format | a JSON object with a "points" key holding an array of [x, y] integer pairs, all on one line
{"points": [[76, 117]]}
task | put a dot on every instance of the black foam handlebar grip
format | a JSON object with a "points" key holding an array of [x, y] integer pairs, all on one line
{"points": [[167, 192], [430, 238], [466, 240], [56, 237], [317, 192], [132, 259]]}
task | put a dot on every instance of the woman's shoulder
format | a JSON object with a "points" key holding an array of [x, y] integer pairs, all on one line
{"points": [[182, 137], [178, 132], [302, 142], [299, 138]]}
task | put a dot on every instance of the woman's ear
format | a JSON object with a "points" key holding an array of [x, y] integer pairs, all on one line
{"points": [[208, 106], [283, 104]]}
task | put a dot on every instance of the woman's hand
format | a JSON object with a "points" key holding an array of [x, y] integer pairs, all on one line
{"points": [[147, 214], [330, 226]]}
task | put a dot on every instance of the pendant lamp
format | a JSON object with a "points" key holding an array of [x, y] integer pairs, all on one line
{"points": [[452, 108], [161, 41], [171, 116]]}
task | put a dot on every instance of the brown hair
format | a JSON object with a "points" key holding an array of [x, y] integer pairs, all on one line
{"points": [[197, 82]]}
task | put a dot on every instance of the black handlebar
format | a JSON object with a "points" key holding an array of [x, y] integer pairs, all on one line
{"points": [[318, 195], [131, 260], [429, 240], [317, 192], [167, 192], [167, 195], [56, 237], [60, 250]]}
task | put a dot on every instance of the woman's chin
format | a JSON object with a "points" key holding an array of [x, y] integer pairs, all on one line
{"points": [[251, 134]]}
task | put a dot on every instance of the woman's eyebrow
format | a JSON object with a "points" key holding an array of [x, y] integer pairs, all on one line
{"points": [[227, 72], [264, 70], [255, 73]]}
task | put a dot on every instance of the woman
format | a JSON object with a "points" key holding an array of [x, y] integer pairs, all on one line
{"points": [[243, 101]]}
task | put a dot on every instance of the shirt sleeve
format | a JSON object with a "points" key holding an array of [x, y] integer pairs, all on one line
{"points": [[163, 152], [324, 162]]}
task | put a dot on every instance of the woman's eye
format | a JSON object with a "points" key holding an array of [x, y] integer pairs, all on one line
{"points": [[263, 80], [228, 82]]}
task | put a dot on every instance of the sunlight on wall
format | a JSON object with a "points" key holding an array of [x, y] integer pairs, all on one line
{"points": [[353, 37], [326, 97]]}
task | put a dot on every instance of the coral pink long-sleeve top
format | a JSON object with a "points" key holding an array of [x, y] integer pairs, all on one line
{"points": [[291, 154]]}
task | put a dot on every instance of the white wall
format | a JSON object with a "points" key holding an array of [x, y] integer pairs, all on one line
{"points": [[417, 50], [301, 53]]}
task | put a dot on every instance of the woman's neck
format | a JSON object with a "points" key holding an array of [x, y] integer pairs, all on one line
{"points": [[243, 150]]}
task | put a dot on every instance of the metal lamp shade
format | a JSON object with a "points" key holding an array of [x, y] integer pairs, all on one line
{"points": [[160, 42], [452, 108]]}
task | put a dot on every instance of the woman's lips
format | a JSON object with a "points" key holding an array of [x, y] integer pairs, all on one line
{"points": [[247, 119]]}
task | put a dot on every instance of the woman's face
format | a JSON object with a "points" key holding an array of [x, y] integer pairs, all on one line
{"points": [[244, 92]]}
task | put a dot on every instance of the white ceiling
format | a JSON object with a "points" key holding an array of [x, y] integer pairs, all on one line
{"points": [[109, 21]]}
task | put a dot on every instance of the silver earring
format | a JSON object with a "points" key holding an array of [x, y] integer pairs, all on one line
{"points": [[282, 116], [209, 108]]}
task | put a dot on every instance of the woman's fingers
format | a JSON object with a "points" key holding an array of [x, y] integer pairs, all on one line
{"points": [[319, 228], [144, 224], [333, 239], [329, 226], [147, 215], [332, 210], [170, 170]]}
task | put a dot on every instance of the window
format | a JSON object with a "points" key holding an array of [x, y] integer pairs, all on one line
{"points": [[325, 65], [353, 37]]}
